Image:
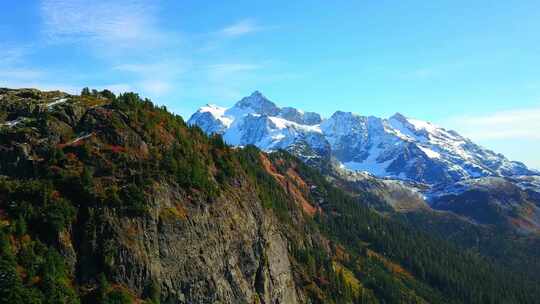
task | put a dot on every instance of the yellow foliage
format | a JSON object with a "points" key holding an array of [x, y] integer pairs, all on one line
{"points": [[349, 277], [395, 268], [176, 212]]}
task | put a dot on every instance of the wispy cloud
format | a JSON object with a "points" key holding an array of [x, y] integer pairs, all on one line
{"points": [[20, 73], [227, 81], [10, 55], [161, 68], [511, 124], [227, 68], [122, 23], [155, 79], [124, 34], [240, 28], [14, 72], [145, 55], [156, 87], [230, 74], [433, 71], [422, 73]]}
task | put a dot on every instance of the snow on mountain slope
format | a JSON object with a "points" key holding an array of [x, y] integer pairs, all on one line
{"points": [[211, 119], [397, 147]]}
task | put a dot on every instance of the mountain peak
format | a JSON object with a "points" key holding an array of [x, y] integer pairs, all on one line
{"points": [[256, 93], [414, 124], [258, 103], [342, 114], [399, 117]]}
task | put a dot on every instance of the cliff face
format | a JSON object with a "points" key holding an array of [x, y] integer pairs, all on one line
{"points": [[226, 250]]}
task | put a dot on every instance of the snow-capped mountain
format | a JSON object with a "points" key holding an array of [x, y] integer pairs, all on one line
{"points": [[396, 147]]}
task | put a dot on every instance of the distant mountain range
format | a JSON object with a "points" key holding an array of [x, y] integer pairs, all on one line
{"points": [[409, 163], [397, 147]]}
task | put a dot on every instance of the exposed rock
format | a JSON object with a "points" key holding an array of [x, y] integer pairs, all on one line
{"points": [[228, 250]]}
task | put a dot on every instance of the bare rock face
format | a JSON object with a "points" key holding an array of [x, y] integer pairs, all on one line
{"points": [[224, 251]]}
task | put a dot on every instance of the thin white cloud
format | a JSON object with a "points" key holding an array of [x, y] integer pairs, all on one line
{"points": [[13, 69], [511, 124], [123, 23], [228, 81], [156, 88], [230, 74], [10, 55], [138, 68], [20, 74], [240, 28], [433, 71], [164, 68], [423, 73], [144, 56], [124, 34], [226, 68], [155, 79]]}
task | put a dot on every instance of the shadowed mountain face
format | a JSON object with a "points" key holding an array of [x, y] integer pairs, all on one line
{"points": [[493, 201], [397, 147]]}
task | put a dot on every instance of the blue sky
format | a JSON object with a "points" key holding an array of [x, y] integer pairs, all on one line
{"points": [[472, 67]]}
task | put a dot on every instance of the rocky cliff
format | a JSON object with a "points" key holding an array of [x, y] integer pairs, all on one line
{"points": [[227, 250]]}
